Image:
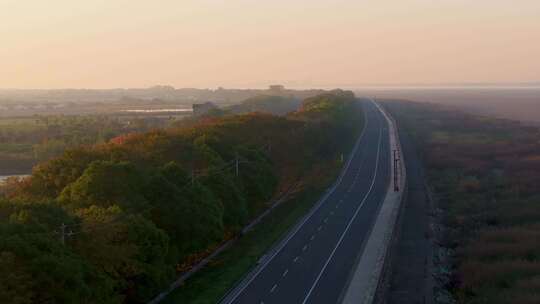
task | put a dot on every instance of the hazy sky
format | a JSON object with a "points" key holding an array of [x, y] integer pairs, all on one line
{"points": [[203, 43]]}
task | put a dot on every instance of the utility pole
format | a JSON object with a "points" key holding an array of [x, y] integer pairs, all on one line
{"points": [[396, 172], [237, 165], [400, 165], [64, 233]]}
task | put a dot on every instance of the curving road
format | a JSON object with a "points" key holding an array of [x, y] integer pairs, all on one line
{"points": [[313, 263]]}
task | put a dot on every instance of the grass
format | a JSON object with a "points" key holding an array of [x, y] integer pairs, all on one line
{"points": [[15, 148], [461, 138], [17, 120], [20, 124], [212, 282]]}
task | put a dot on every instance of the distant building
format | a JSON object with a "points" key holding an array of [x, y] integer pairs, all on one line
{"points": [[203, 108], [277, 88]]}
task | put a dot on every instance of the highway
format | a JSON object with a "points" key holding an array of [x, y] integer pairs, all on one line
{"points": [[313, 263]]}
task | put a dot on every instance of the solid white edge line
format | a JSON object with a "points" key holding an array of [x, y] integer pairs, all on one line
{"points": [[308, 216], [350, 293], [350, 222]]}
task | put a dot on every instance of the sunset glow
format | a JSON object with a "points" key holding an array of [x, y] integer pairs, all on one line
{"points": [[120, 43]]}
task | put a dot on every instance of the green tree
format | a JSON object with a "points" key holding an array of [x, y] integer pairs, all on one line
{"points": [[128, 248], [106, 183]]}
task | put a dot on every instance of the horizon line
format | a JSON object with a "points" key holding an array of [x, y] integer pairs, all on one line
{"points": [[291, 86]]}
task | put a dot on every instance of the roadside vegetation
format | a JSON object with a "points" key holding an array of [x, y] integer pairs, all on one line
{"points": [[485, 174], [277, 105], [115, 222]]}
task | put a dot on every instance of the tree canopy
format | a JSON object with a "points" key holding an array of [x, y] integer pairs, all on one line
{"points": [[130, 210]]}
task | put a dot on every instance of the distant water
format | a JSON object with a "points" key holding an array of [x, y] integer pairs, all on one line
{"points": [[4, 177]]}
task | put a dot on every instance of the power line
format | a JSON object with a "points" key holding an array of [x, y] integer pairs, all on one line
{"points": [[66, 231], [194, 176]]}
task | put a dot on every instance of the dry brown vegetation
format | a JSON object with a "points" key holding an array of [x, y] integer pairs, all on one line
{"points": [[486, 176]]}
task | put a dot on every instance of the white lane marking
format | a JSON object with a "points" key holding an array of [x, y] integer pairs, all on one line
{"points": [[337, 206], [295, 259], [273, 288], [312, 237], [331, 212], [304, 248], [349, 224], [285, 272], [325, 219], [239, 289], [319, 228]]}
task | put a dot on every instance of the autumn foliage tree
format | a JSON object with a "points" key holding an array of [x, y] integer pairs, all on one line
{"points": [[141, 204]]}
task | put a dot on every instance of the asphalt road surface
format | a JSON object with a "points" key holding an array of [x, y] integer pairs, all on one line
{"points": [[316, 260]]}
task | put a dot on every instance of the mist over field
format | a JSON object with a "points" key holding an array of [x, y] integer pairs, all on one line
{"points": [[518, 103]]}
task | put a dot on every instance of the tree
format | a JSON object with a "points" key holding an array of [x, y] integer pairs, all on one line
{"points": [[138, 265], [106, 183]]}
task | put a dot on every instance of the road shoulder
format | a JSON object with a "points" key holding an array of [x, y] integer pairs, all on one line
{"points": [[407, 278], [367, 275]]}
